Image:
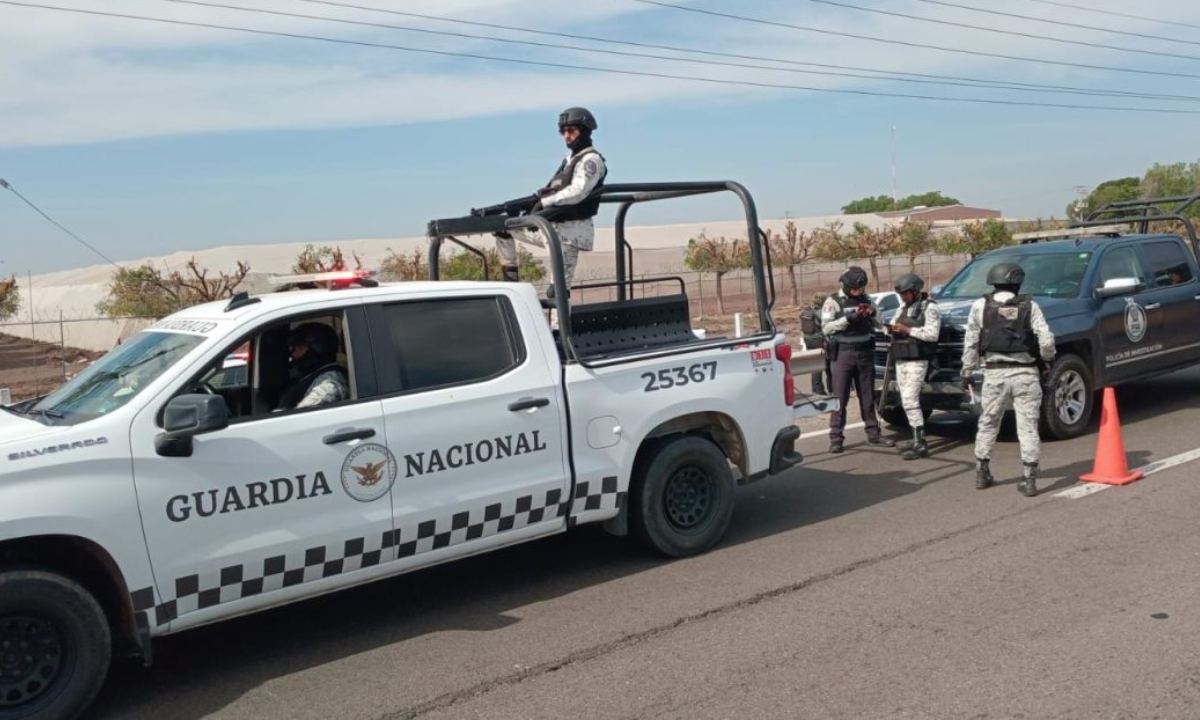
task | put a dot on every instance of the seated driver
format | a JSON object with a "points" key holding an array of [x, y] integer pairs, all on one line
{"points": [[314, 377]]}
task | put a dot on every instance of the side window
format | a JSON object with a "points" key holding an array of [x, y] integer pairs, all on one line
{"points": [[1119, 262], [438, 343], [889, 302], [1168, 264]]}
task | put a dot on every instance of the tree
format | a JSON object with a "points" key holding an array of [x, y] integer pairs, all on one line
{"points": [[877, 204], [1171, 180], [717, 256], [792, 248], [463, 265], [872, 245], [144, 291], [10, 298], [409, 266], [1117, 190], [322, 259], [977, 238], [884, 203], [830, 245], [914, 239]]}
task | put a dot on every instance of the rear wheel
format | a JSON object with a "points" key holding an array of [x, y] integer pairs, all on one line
{"points": [[55, 646], [1068, 398], [683, 497]]}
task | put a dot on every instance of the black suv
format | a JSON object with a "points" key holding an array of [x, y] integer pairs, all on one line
{"points": [[1122, 307]]}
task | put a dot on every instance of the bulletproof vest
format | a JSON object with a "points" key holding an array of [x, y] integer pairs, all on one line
{"points": [[298, 390], [860, 330], [1006, 326], [910, 348], [590, 205]]}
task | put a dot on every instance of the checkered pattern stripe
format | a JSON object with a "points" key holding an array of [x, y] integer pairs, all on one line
{"points": [[207, 589], [593, 496]]}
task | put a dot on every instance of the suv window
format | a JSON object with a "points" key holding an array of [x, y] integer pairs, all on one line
{"points": [[1168, 264], [1049, 274], [436, 343], [1120, 262]]}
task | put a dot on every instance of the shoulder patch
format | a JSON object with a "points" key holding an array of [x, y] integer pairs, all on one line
{"points": [[589, 168]]}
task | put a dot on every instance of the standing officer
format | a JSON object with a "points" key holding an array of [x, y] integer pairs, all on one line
{"points": [[915, 331], [814, 339], [849, 320], [571, 199], [1010, 333]]}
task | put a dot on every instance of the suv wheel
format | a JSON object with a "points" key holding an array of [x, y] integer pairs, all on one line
{"points": [[1068, 398], [682, 500], [55, 646]]}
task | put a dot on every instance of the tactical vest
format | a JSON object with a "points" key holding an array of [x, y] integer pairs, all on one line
{"points": [[859, 333], [908, 347], [584, 209], [1006, 326]]}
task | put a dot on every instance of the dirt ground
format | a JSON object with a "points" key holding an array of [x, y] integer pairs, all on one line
{"points": [[30, 368]]}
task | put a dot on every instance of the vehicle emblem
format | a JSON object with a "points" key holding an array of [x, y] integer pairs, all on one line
{"points": [[1135, 321], [368, 472]]}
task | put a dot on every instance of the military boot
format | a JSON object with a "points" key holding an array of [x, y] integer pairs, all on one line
{"points": [[983, 474], [880, 441], [918, 448], [1028, 484]]}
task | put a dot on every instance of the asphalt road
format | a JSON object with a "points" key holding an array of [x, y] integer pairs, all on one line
{"points": [[856, 586]]}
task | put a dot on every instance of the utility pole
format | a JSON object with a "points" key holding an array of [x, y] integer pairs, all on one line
{"points": [[895, 199]]}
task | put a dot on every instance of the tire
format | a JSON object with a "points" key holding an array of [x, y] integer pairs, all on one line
{"points": [[897, 418], [55, 646], [683, 497], [1068, 400]]}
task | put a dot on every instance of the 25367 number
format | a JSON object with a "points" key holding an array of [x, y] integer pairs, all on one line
{"points": [[668, 378]]}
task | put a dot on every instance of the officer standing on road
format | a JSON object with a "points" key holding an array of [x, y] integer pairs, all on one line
{"points": [[571, 198], [1010, 334], [814, 339], [849, 320], [915, 331]]}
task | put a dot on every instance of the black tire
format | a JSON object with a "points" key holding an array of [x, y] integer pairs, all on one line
{"points": [[682, 497], [1068, 400], [896, 417], [55, 646]]}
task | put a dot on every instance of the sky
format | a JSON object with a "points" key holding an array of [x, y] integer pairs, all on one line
{"points": [[147, 138]]}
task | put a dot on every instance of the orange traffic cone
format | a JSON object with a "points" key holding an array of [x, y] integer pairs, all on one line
{"points": [[1111, 467]]}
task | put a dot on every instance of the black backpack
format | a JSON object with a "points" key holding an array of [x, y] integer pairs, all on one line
{"points": [[809, 321]]}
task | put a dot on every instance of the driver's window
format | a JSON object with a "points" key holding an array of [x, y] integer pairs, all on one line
{"points": [[1119, 262]]}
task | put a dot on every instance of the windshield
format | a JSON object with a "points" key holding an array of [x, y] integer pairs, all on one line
{"points": [[114, 379], [1046, 274]]}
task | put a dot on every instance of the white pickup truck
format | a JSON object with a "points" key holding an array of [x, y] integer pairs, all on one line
{"points": [[167, 487]]}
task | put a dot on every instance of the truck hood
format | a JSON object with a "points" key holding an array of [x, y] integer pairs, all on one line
{"points": [[14, 428], [956, 310]]}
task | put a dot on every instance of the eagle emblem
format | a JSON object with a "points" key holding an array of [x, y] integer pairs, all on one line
{"points": [[369, 474]]}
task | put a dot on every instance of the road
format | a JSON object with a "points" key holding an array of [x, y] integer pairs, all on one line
{"points": [[856, 586]]}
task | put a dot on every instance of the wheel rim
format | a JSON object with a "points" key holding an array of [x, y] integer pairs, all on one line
{"points": [[1070, 397], [689, 498], [31, 659]]}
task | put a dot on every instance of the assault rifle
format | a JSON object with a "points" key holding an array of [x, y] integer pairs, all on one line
{"points": [[489, 219], [509, 208]]}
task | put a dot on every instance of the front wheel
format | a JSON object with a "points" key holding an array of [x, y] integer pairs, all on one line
{"points": [[1068, 398], [683, 497], [55, 646]]}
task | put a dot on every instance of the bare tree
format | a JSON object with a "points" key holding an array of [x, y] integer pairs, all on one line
{"points": [[717, 256], [793, 248], [408, 266], [314, 259], [145, 291], [10, 298]]}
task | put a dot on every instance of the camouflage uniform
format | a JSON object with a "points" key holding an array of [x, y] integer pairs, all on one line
{"points": [[329, 387], [910, 374], [1000, 384]]}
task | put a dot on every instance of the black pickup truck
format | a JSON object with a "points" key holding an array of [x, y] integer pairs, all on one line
{"points": [[1123, 307]]}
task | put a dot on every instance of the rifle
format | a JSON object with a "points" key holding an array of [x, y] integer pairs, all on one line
{"points": [[511, 208]]}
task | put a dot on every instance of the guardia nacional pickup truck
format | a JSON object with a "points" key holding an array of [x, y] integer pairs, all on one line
{"points": [[164, 488]]}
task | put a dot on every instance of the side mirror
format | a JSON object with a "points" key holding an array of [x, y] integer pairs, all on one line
{"points": [[187, 416], [933, 291], [1117, 286]]}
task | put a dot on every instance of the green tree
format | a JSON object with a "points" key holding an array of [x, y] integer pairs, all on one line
{"points": [[1117, 190], [792, 248], [879, 203], [830, 245], [872, 245], [884, 203], [406, 266], [144, 291], [1171, 180], [914, 239], [977, 238], [463, 265], [10, 298], [717, 256], [314, 259]]}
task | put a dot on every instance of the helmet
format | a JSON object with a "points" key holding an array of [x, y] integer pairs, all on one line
{"points": [[909, 282], [321, 341], [577, 116], [855, 278], [1006, 273]]}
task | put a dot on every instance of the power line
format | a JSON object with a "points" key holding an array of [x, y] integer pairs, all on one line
{"points": [[1014, 33], [1114, 13], [983, 82], [1064, 23], [926, 46], [8, 186], [744, 66], [592, 68]]}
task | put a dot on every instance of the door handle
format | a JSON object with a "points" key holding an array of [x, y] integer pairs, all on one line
{"points": [[348, 434], [528, 403], [1153, 306]]}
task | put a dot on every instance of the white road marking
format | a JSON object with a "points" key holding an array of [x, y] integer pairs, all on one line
{"points": [[818, 433], [1084, 489]]}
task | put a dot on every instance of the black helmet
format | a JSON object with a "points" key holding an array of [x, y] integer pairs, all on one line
{"points": [[579, 116], [855, 278], [321, 341], [1006, 273], [909, 281]]}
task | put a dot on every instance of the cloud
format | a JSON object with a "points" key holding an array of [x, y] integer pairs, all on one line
{"points": [[67, 79]]}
